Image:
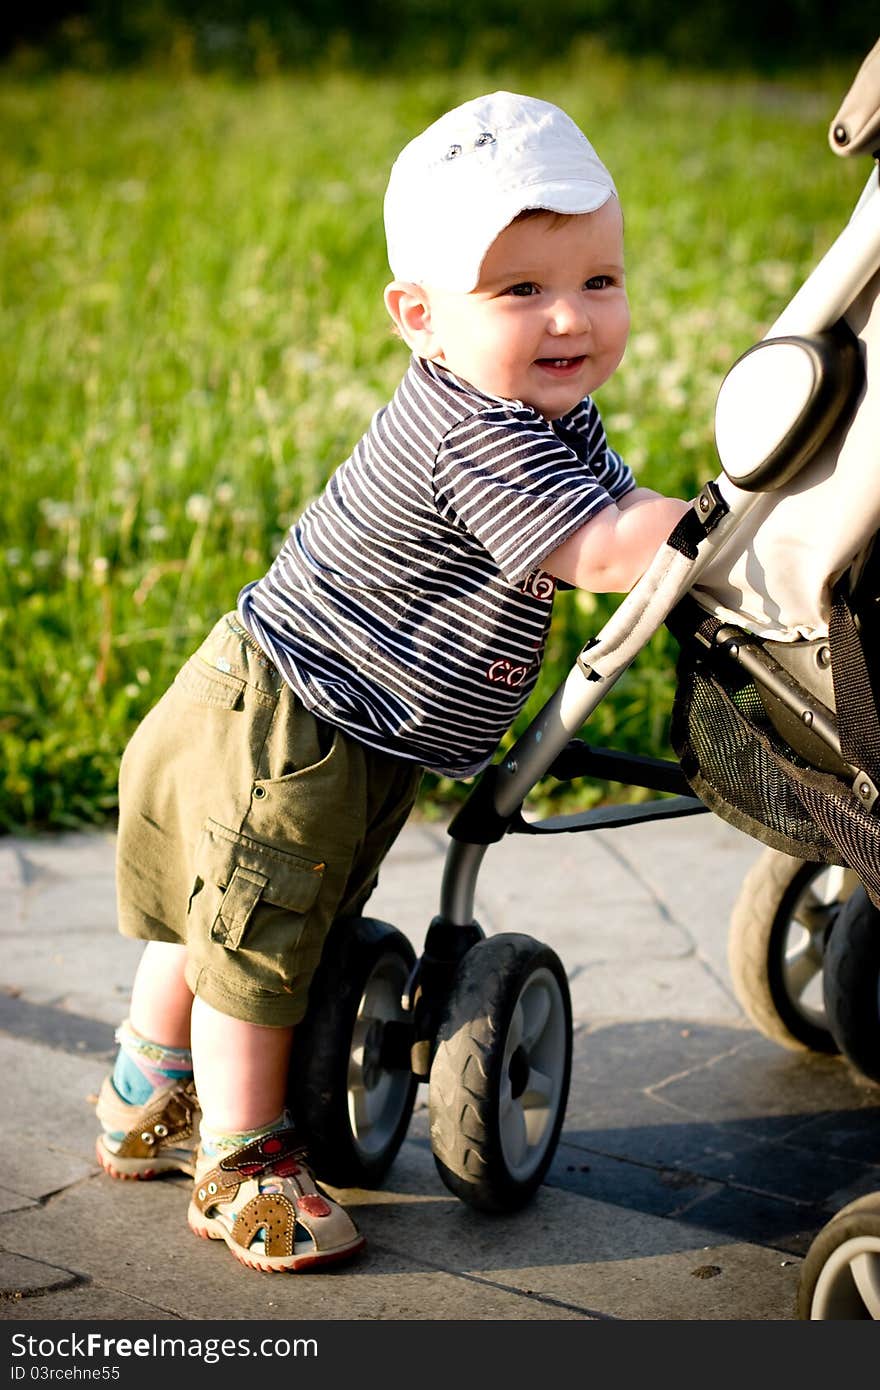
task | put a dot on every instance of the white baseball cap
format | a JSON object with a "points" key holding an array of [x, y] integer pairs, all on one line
{"points": [[456, 186]]}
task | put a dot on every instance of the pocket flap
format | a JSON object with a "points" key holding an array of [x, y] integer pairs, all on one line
{"points": [[210, 686], [287, 880], [243, 892]]}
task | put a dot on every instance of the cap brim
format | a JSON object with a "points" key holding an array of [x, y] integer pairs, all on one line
{"points": [[568, 197]]}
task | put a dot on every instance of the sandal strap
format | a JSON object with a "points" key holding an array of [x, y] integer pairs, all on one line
{"points": [[168, 1120], [298, 1201], [261, 1155], [275, 1215]]}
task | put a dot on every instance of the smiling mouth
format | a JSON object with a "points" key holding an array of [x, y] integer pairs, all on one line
{"points": [[561, 364]]}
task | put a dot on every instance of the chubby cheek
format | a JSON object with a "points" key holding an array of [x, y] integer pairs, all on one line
{"points": [[516, 351], [615, 354], [620, 329], [500, 365]]}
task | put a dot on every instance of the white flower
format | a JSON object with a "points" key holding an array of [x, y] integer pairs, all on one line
{"points": [[198, 508]]}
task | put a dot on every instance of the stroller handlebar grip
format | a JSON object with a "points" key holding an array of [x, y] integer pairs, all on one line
{"points": [[856, 127]]}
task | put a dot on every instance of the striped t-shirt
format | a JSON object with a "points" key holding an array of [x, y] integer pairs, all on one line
{"points": [[408, 605]]}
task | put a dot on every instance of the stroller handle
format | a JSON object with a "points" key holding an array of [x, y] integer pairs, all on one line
{"points": [[856, 127]]}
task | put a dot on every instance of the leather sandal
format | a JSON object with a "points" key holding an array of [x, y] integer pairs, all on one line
{"points": [[142, 1141], [263, 1201]]}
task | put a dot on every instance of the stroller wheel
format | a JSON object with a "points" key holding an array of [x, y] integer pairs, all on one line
{"points": [[351, 1088], [499, 1078], [840, 1276], [776, 944], [851, 973]]}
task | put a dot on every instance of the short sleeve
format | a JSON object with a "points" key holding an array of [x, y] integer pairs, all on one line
{"points": [[522, 486]]}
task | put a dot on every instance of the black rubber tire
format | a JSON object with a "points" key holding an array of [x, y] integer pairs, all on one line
{"points": [[828, 1290], [781, 897], [364, 966], [851, 973], [508, 1023]]}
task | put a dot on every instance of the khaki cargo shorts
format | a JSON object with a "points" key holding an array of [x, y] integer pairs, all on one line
{"points": [[247, 826]]}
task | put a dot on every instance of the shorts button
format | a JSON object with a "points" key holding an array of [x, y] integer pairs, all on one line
{"points": [[258, 793]]}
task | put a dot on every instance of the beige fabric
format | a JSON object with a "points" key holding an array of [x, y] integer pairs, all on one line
{"points": [[775, 577]]}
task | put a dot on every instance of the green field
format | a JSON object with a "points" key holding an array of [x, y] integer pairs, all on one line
{"points": [[193, 337]]}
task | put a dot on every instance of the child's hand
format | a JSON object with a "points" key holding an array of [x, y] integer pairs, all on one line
{"points": [[614, 549]]}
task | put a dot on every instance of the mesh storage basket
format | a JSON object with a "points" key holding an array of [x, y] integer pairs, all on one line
{"points": [[742, 769]]}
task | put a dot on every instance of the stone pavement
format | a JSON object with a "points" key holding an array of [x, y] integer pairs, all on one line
{"points": [[697, 1160]]}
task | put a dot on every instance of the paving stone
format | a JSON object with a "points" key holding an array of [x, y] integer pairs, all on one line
{"points": [[20, 1275]]}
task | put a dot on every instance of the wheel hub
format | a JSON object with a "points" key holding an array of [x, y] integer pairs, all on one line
{"points": [[370, 1066]]}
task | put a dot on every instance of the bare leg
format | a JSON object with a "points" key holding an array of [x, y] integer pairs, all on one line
{"points": [[240, 1070], [161, 1001], [153, 1057]]}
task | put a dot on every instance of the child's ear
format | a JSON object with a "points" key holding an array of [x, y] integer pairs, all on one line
{"points": [[410, 311]]}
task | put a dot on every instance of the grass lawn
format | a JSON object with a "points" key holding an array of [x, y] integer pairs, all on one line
{"points": [[192, 337]]}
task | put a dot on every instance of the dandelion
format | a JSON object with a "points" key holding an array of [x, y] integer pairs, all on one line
{"points": [[336, 192], [251, 298], [644, 345], [691, 439], [620, 422], [267, 407], [56, 514], [355, 397], [224, 494], [585, 602], [130, 191], [198, 508], [778, 276], [297, 360], [124, 472], [100, 569]]}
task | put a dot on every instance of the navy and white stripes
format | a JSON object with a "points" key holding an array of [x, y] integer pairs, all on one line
{"points": [[408, 605]]}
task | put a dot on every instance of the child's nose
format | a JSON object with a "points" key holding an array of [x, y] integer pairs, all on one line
{"points": [[569, 313]]}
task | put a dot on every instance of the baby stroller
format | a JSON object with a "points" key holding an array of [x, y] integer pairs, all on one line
{"points": [[770, 586]]}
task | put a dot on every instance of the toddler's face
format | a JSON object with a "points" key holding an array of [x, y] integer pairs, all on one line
{"points": [[548, 321]]}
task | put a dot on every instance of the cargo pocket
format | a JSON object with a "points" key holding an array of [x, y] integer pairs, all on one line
{"points": [[236, 874]]}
